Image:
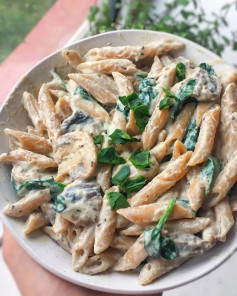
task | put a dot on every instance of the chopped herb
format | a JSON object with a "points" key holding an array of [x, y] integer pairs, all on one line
{"points": [[85, 95], [59, 204], [123, 109], [184, 93], [98, 139], [120, 137], [109, 155], [140, 159], [157, 245], [164, 103], [141, 115], [207, 68], [180, 71], [55, 187], [117, 200], [59, 79], [134, 185], [191, 136], [210, 171], [131, 100], [121, 176]]}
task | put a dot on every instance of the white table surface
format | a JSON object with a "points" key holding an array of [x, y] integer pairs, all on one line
{"points": [[220, 282]]}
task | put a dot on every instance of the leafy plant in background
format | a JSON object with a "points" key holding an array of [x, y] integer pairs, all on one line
{"points": [[186, 18]]}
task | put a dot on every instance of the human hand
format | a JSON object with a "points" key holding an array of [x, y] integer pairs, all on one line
{"points": [[33, 280]]}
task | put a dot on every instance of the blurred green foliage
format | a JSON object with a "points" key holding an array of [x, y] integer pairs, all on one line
{"points": [[17, 18]]}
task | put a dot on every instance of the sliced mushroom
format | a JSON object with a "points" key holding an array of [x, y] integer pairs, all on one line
{"points": [[76, 155]]}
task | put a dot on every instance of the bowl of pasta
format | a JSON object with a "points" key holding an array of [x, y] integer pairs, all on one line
{"points": [[118, 162]]}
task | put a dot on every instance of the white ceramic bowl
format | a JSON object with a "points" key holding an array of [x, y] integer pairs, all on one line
{"points": [[44, 250]]}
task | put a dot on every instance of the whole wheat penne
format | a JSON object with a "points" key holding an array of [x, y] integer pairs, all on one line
{"points": [[224, 181], [48, 113], [206, 136], [107, 66], [152, 213], [104, 176], [27, 204], [35, 221], [118, 122], [233, 204], [72, 57], [101, 87], [60, 224], [58, 93], [162, 182], [133, 52], [122, 242], [166, 59], [30, 142], [201, 109], [60, 238], [63, 108], [133, 257], [209, 233], [49, 211], [196, 190], [83, 247], [156, 68], [122, 222], [100, 263], [105, 228], [124, 85], [20, 154], [227, 77], [156, 268], [132, 128], [135, 229], [32, 107]]}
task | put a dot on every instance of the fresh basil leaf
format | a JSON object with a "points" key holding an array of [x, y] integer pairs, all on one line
{"points": [[59, 204], [157, 245], [117, 200], [55, 187], [59, 79], [109, 155], [191, 136], [134, 185], [206, 67], [210, 171], [121, 176], [85, 95], [180, 71], [141, 115], [147, 91], [140, 159], [184, 93], [120, 137], [131, 100], [98, 139]]}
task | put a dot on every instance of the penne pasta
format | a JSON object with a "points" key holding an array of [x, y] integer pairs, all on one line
{"points": [[35, 221], [72, 57]]}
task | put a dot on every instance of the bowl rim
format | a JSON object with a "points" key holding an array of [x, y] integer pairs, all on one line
{"points": [[23, 243]]}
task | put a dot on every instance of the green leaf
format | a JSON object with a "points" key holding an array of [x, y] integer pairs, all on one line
{"points": [[164, 103], [147, 92], [121, 176], [226, 6], [85, 95], [235, 45], [183, 2], [169, 93], [184, 93], [120, 137], [180, 71], [206, 67], [157, 245], [59, 204], [134, 185], [109, 155], [210, 171], [94, 10], [140, 159], [59, 79], [117, 200], [124, 110], [98, 139], [131, 100], [191, 136], [141, 115]]}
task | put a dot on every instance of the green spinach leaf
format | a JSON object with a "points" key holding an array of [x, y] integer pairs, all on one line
{"points": [[134, 185], [165, 103], [98, 139], [206, 67], [117, 200], [147, 91], [140, 159], [131, 100], [121, 176], [123, 109], [191, 136], [59, 79], [85, 95], [141, 115], [120, 137], [59, 204], [109, 155], [210, 171], [157, 245], [180, 71]]}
